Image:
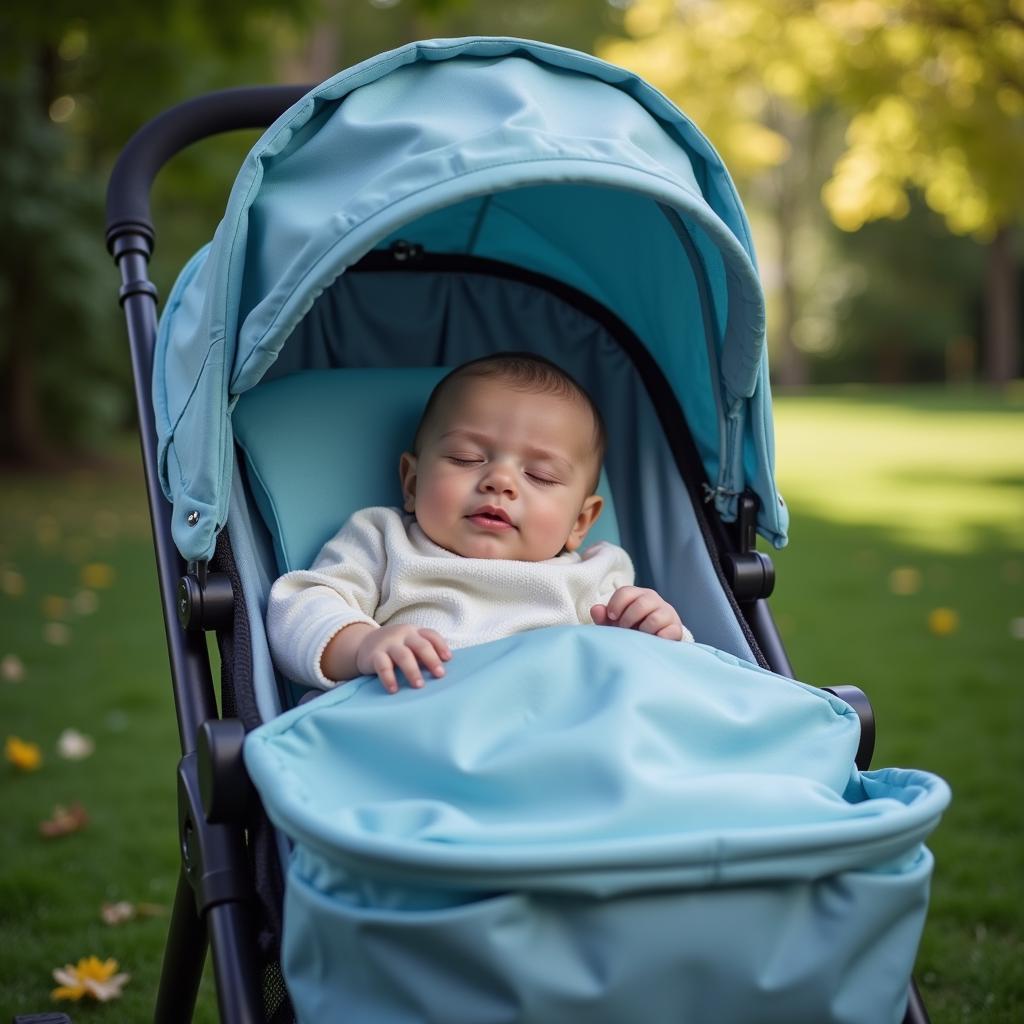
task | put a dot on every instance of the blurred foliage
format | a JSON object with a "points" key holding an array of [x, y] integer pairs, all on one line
{"points": [[862, 109], [934, 90], [55, 300], [911, 309], [844, 106], [77, 82]]}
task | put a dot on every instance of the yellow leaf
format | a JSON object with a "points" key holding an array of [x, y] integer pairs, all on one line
{"points": [[943, 621], [54, 607], [12, 583], [26, 757], [97, 575]]}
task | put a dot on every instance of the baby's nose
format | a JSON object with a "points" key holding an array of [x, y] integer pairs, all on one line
{"points": [[500, 480]]}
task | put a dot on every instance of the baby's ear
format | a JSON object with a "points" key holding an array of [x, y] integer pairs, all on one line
{"points": [[589, 512], [407, 474]]}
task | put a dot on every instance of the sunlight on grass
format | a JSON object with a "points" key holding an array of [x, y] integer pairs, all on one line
{"points": [[929, 479]]}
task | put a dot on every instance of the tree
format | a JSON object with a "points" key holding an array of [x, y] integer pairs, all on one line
{"points": [[933, 91], [74, 87]]}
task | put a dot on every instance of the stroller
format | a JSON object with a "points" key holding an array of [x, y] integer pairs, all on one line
{"points": [[439, 202]]}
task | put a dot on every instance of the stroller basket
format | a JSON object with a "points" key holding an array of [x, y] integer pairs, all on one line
{"points": [[704, 842]]}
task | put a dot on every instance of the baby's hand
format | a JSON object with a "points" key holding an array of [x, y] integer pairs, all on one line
{"points": [[639, 608], [401, 647]]}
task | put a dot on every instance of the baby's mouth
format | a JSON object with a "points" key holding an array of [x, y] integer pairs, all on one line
{"points": [[490, 518]]}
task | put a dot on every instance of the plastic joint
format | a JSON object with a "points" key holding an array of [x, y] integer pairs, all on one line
{"points": [[224, 783], [750, 573], [205, 600], [212, 854], [140, 287]]}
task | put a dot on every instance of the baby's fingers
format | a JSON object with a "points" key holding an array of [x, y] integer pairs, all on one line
{"points": [[405, 660], [426, 654], [621, 600], [385, 669], [639, 609], [438, 642], [599, 614], [659, 620]]}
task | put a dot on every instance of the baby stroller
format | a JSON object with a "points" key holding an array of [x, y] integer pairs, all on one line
{"points": [[441, 201]]}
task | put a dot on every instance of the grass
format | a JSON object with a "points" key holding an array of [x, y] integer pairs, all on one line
{"points": [[901, 505], [924, 493]]}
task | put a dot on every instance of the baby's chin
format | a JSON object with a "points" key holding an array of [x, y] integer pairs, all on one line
{"points": [[489, 547]]}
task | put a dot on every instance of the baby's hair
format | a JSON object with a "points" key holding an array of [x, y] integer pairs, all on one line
{"points": [[526, 372]]}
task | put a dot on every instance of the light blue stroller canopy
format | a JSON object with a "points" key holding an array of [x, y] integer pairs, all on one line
{"points": [[575, 824], [529, 154]]}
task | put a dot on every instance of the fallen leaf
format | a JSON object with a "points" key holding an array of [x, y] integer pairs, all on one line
{"points": [[122, 910], [117, 913], [12, 583], [64, 821], [97, 575], [56, 634], [1017, 628], [26, 757], [905, 580], [943, 621], [85, 602], [54, 607], [12, 669]]}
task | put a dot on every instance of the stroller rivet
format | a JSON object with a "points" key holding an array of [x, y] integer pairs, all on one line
{"points": [[192, 518]]}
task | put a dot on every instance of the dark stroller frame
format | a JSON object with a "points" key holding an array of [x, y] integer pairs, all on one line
{"points": [[215, 898]]}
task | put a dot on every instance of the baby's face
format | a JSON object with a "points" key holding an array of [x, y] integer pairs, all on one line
{"points": [[503, 474]]}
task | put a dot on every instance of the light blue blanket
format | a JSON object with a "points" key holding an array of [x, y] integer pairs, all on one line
{"points": [[583, 823]]}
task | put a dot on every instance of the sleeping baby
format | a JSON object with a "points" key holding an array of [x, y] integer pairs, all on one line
{"points": [[498, 497]]}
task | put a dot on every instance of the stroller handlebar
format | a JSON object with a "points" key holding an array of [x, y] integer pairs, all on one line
{"points": [[170, 132]]}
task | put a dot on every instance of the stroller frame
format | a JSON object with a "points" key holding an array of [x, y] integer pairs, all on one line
{"points": [[215, 896]]}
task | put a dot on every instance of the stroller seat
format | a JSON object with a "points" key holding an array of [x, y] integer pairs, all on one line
{"points": [[318, 444]]}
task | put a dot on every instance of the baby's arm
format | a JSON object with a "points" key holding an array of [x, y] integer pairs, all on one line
{"points": [[643, 609], [309, 607]]}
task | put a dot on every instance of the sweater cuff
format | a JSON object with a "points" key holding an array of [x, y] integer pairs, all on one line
{"points": [[319, 679]]}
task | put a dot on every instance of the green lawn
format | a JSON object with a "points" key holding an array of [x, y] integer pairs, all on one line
{"points": [[901, 505]]}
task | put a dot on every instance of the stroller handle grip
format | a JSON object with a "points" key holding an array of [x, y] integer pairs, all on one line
{"points": [[170, 132]]}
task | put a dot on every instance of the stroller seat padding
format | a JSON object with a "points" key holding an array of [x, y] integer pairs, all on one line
{"points": [[322, 444]]}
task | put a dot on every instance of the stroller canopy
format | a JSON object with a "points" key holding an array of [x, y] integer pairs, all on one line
{"points": [[516, 151]]}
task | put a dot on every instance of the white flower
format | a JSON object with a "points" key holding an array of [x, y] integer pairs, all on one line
{"points": [[74, 746], [12, 669]]}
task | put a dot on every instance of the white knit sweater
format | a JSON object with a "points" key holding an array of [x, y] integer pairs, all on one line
{"points": [[382, 568]]}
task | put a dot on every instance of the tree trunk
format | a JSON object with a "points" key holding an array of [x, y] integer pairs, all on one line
{"points": [[790, 365], [787, 195], [1002, 311], [23, 439]]}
